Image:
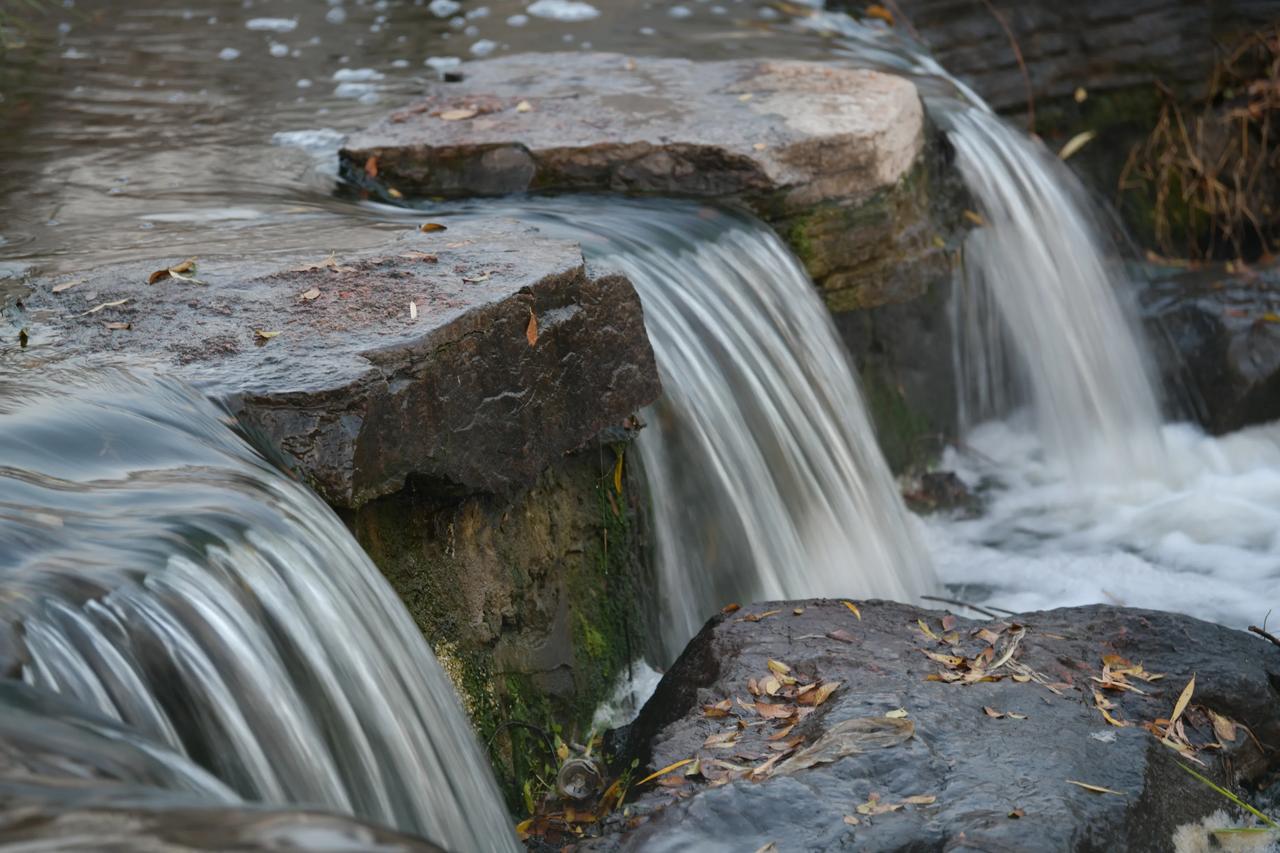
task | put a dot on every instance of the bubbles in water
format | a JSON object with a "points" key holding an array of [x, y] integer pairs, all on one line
{"points": [[563, 10], [336, 15], [278, 50], [517, 20], [443, 8], [272, 25], [484, 47], [357, 75], [679, 12], [228, 53]]}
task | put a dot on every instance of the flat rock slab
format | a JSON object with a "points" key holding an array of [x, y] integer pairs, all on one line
{"points": [[938, 765], [512, 354], [787, 134]]}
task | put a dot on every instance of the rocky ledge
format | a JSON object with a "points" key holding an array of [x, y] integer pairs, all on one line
{"points": [[823, 725], [472, 357]]}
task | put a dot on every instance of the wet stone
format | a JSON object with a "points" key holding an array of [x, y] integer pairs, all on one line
{"points": [[987, 765], [513, 353]]}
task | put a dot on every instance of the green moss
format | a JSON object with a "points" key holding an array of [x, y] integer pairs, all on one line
{"points": [[905, 436]]}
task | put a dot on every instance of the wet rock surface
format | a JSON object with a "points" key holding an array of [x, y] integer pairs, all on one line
{"points": [[512, 354], [1219, 333], [970, 766]]}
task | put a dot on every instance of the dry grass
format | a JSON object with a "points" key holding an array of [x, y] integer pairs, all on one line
{"points": [[1210, 172]]}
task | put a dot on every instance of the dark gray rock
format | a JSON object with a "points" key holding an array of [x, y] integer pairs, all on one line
{"points": [[981, 769], [1219, 334], [353, 389]]}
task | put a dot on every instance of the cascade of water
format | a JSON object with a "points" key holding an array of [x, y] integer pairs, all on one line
{"points": [[157, 571], [762, 465]]}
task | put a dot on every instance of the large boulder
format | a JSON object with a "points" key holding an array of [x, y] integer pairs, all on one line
{"points": [[946, 734], [471, 357], [840, 162], [1218, 332]]}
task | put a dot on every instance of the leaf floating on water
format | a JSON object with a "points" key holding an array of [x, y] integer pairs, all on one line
{"points": [[459, 115], [313, 293], [853, 608], [664, 771], [413, 310], [1075, 143], [524, 107], [531, 335], [118, 327], [264, 335], [1097, 789], [431, 227], [95, 309]]}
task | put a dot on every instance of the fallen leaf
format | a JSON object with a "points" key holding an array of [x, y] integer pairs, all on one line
{"points": [[664, 771], [777, 666], [771, 686], [524, 107], [753, 687], [946, 660], [851, 820], [1016, 813], [1183, 699], [175, 271], [1224, 728], [767, 848], [819, 694], [774, 712], [1075, 143], [313, 293], [853, 609], [873, 806], [1013, 715], [394, 193], [781, 733], [719, 709], [987, 636], [731, 608], [897, 714], [413, 310], [921, 800], [371, 167], [746, 97], [95, 309], [925, 630], [840, 634], [879, 12], [531, 335], [117, 327], [476, 279], [756, 617], [22, 338], [1080, 95], [759, 146], [975, 217], [1097, 789], [265, 336], [948, 622], [617, 466], [431, 227], [797, 610], [721, 740], [458, 115], [992, 712], [67, 285]]}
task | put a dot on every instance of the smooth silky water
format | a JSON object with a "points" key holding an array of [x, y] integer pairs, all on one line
{"points": [[170, 585]]}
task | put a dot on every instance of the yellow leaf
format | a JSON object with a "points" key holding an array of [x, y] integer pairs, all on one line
{"points": [[394, 193], [759, 146], [881, 13], [975, 217], [921, 800], [664, 771], [731, 608], [1075, 143], [531, 335], [524, 107], [265, 336], [1097, 789], [1183, 700], [818, 696], [748, 96], [313, 293], [925, 629], [719, 709], [897, 714], [1224, 728], [458, 115], [779, 667], [1271, 317], [853, 609], [1080, 95], [617, 467], [431, 227]]}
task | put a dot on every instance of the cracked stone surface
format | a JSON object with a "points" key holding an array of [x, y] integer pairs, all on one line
{"points": [[357, 392]]}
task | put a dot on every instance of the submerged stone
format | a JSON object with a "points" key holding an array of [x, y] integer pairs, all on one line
{"points": [[892, 760], [472, 357]]}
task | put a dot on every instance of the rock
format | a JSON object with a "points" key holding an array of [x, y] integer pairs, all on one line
{"points": [[941, 491], [989, 763], [826, 154], [516, 354], [1219, 334]]}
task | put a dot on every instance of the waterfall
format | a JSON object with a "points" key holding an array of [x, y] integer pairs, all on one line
{"points": [[764, 474], [158, 573]]}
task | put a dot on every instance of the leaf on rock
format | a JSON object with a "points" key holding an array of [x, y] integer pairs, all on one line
{"points": [[851, 820], [719, 709], [873, 806], [313, 293], [264, 335], [1223, 728], [731, 608], [178, 271], [371, 167], [524, 107], [1017, 813], [476, 279], [775, 712], [756, 617], [921, 800], [432, 227], [987, 636], [778, 667], [118, 327], [840, 634], [1097, 789], [721, 740], [67, 285], [853, 608], [531, 335], [819, 694], [948, 622], [875, 10], [924, 629], [781, 733], [95, 309], [413, 310], [975, 217], [459, 115], [897, 714], [1183, 699], [1075, 143], [992, 712], [664, 771]]}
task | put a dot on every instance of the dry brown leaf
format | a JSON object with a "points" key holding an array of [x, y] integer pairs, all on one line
{"points": [[771, 686], [753, 687], [992, 712], [476, 279], [175, 271], [774, 712], [975, 217], [1183, 699], [531, 330], [756, 617], [1017, 813], [759, 146], [730, 608], [778, 667], [879, 12], [853, 608], [873, 806], [948, 622], [850, 737], [1223, 728], [952, 661], [781, 733], [432, 227], [851, 820], [719, 709], [264, 335], [67, 285], [313, 293], [921, 800], [840, 634], [371, 167], [95, 309], [459, 115], [987, 636], [819, 695], [117, 327]]}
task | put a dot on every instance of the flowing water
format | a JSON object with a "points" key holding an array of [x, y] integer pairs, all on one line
{"points": [[764, 477], [160, 574]]}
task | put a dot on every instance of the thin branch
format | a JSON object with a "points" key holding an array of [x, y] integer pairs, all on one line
{"points": [[1264, 635], [974, 607]]}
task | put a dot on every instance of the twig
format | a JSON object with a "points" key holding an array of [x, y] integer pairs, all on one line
{"points": [[1022, 65], [1264, 635], [975, 607]]}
